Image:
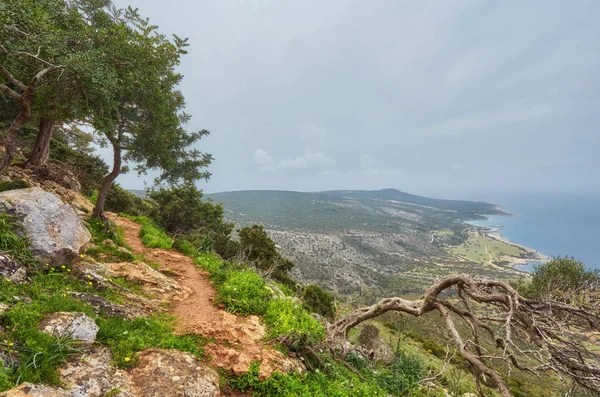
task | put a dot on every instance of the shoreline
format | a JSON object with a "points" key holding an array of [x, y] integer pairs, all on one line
{"points": [[533, 256]]}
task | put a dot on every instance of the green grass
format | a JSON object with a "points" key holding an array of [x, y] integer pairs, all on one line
{"points": [[241, 290], [152, 235], [11, 242], [284, 316], [126, 337], [100, 233], [474, 249]]}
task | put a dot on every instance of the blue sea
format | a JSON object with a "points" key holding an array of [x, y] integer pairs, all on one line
{"points": [[555, 225]]}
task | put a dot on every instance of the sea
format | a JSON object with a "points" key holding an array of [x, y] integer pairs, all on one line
{"points": [[552, 224]]}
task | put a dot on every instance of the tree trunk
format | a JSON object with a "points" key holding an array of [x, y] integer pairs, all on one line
{"points": [[108, 181], [10, 141], [41, 150]]}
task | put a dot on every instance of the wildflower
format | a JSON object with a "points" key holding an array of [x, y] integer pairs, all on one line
{"points": [[11, 344], [81, 256], [90, 283], [68, 270], [88, 276], [127, 359], [63, 267], [52, 268], [64, 294]]}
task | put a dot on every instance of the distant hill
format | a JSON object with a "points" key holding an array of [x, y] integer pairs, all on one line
{"points": [[350, 240]]}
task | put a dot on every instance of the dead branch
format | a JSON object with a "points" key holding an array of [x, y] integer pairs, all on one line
{"points": [[551, 330]]}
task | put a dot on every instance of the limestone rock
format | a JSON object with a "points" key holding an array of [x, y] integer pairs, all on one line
{"points": [[12, 270], [55, 232], [3, 308], [104, 306], [173, 373], [30, 390], [88, 375], [77, 326]]}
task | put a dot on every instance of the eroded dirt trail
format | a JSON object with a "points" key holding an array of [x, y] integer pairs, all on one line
{"points": [[238, 341]]}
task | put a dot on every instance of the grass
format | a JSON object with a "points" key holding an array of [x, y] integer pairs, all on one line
{"points": [[474, 249], [126, 337], [13, 184], [285, 316], [153, 236], [242, 291], [11, 242]]}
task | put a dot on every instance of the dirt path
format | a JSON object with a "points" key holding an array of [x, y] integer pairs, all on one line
{"points": [[238, 341]]}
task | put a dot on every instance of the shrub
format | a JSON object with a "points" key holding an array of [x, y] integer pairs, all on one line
{"points": [[181, 210], [318, 300], [284, 316], [123, 201], [563, 279], [13, 184], [369, 337]]}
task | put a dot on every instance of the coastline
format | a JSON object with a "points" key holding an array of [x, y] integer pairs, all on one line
{"points": [[531, 257]]}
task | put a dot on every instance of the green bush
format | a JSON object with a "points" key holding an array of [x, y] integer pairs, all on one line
{"points": [[152, 235], [563, 279], [241, 290], [284, 316], [181, 210], [123, 201], [318, 300], [13, 184]]}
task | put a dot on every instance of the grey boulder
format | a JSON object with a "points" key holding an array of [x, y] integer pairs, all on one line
{"points": [[52, 227]]}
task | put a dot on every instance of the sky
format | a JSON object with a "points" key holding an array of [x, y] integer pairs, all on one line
{"points": [[440, 98]]}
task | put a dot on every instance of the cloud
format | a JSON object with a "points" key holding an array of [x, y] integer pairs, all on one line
{"points": [[311, 160], [457, 167]]}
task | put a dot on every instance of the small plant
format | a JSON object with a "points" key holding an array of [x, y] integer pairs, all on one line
{"points": [[242, 291]]}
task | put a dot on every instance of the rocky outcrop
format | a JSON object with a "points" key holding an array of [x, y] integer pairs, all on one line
{"points": [[53, 228], [77, 326], [30, 390], [106, 307], [90, 375], [173, 373], [12, 270]]}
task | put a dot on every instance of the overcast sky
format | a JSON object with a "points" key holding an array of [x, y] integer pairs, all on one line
{"points": [[449, 99]]}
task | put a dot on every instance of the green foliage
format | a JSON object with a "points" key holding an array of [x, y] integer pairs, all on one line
{"points": [[286, 317], [181, 210], [369, 336], [11, 242], [261, 251], [100, 233], [126, 337], [13, 184], [120, 200], [152, 235], [337, 382], [318, 300], [241, 290], [563, 279]]}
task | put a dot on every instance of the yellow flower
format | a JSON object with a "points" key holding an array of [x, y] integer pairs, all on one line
{"points": [[68, 270], [52, 268], [88, 276], [11, 344], [63, 267], [90, 283], [127, 359], [64, 294], [81, 256]]}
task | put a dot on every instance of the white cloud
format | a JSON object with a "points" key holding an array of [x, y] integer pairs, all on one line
{"points": [[310, 160]]}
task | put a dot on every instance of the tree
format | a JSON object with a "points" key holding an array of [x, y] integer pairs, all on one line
{"points": [[49, 67], [145, 124], [546, 331]]}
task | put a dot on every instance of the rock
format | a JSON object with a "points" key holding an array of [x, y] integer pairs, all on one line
{"points": [[55, 232], [12, 270], [124, 250], [77, 326], [30, 390], [109, 243], [3, 308], [104, 306], [89, 375], [173, 373]]}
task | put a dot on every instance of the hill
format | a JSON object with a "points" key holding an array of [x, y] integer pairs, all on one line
{"points": [[377, 242]]}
